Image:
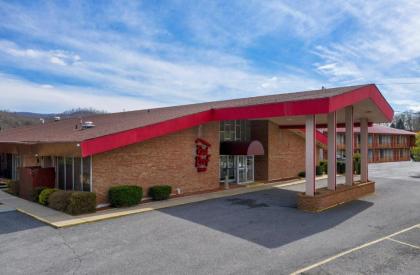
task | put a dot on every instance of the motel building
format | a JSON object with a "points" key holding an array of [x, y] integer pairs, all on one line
{"points": [[196, 148]]}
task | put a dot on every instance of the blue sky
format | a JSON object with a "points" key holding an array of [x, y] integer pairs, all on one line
{"points": [[126, 55]]}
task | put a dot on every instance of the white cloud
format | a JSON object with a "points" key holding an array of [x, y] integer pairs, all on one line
{"points": [[20, 95]]}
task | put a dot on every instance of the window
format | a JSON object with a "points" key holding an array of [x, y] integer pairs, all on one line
{"points": [[74, 173], [235, 130], [87, 174]]}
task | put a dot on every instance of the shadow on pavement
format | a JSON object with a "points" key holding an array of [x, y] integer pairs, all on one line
{"points": [[268, 218], [14, 221]]}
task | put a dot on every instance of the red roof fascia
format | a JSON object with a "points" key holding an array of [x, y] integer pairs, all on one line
{"points": [[117, 140], [290, 108], [370, 91]]}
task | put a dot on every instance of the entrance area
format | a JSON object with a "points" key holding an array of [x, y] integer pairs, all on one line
{"points": [[238, 168]]}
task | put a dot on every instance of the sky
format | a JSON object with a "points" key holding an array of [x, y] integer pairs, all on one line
{"points": [[128, 55]]}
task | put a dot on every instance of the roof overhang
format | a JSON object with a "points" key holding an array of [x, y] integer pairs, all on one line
{"points": [[367, 102]]}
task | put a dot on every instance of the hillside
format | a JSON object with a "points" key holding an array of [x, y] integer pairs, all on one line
{"points": [[17, 119]]}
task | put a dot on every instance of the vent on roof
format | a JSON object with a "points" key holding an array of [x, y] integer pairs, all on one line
{"points": [[87, 125], [57, 118]]}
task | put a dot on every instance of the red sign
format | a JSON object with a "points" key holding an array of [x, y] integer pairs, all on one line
{"points": [[202, 156]]}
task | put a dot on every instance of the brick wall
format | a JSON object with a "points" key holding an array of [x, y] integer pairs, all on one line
{"points": [[163, 160], [284, 151]]}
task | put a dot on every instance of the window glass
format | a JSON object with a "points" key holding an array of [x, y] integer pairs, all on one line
{"points": [[86, 174], [69, 173], [77, 174], [60, 170]]}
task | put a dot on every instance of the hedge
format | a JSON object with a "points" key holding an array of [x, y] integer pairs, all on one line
{"points": [[302, 174], [59, 200], [324, 166], [73, 202], [341, 167], [160, 192], [13, 187], [36, 192], [43, 196], [81, 203], [319, 170], [125, 195]]}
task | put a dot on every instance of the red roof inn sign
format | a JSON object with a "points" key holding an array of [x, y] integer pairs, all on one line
{"points": [[202, 156]]}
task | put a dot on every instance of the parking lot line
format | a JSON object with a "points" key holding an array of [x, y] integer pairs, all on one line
{"points": [[408, 244], [353, 250]]}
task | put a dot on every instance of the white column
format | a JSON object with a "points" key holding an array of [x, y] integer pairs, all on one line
{"points": [[364, 149], [332, 147], [349, 145], [310, 155]]}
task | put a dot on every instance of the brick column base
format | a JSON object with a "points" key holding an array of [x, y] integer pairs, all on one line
{"points": [[325, 199]]}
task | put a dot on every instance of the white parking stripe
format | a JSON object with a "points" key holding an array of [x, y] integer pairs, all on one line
{"points": [[353, 250], [408, 244]]}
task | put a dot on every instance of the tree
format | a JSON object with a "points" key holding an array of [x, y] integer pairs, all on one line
{"points": [[415, 152], [400, 124]]}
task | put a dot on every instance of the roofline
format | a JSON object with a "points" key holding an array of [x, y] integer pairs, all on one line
{"points": [[288, 108]]}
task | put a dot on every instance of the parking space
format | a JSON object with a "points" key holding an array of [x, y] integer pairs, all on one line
{"points": [[253, 233]]}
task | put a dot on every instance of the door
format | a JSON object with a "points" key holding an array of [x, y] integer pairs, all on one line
{"points": [[227, 167], [245, 169]]}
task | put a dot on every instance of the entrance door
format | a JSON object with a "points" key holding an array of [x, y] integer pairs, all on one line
{"points": [[228, 167], [245, 169]]}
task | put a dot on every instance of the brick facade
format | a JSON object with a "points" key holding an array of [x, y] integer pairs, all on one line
{"points": [[284, 151], [164, 160]]}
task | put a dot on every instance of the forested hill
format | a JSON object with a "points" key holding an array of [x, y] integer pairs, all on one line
{"points": [[16, 119]]}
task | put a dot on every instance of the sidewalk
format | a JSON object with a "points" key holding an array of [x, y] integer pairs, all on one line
{"points": [[59, 219]]}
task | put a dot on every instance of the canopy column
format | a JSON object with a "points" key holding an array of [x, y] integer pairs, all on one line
{"points": [[310, 159], [332, 147], [364, 149], [349, 144]]}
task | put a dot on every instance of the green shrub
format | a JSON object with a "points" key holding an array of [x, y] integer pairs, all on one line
{"points": [[356, 163], [302, 174], [81, 203], [160, 192], [125, 195], [59, 200], [36, 192], [341, 167], [13, 187], [319, 170], [324, 165], [44, 195]]}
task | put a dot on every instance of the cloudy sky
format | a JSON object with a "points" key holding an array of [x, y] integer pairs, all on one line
{"points": [[125, 55]]}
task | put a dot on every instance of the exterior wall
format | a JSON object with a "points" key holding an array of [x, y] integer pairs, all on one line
{"points": [[164, 160], [284, 151]]}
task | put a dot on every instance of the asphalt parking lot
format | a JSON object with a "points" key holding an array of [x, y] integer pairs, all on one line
{"points": [[254, 233]]}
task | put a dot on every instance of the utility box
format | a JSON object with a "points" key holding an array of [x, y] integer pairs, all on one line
{"points": [[35, 176]]}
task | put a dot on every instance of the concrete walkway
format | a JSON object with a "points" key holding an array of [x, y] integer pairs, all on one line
{"points": [[59, 219]]}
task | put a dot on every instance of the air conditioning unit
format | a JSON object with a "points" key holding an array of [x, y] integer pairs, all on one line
{"points": [[87, 125]]}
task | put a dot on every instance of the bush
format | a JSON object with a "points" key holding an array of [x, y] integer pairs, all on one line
{"points": [[302, 174], [160, 192], [81, 203], [125, 195], [319, 170], [324, 165], [13, 187], [341, 167], [357, 164], [59, 200], [44, 195], [36, 192]]}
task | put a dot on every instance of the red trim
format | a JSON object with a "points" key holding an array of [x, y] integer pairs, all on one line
{"points": [[117, 140], [314, 131], [292, 108], [320, 137]]}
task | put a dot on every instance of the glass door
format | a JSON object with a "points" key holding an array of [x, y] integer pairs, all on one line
{"points": [[245, 169], [227, 167]]}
